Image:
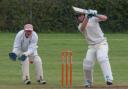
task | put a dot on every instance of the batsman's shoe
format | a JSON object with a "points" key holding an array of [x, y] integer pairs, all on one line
{"points": [[41, 81], [27, 82], [88, 84], [109, 83]]}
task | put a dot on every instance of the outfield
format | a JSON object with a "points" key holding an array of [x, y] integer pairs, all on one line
{"points": [[50, 47]]}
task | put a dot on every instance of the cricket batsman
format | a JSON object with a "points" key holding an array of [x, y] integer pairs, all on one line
{"points": [[25, 49], [97, 44]]}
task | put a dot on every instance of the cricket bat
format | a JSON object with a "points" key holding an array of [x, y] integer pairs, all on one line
{"points": [[80, 10]]}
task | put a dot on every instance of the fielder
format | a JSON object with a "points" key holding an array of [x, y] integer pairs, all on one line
{"points": [[25, 48], [98, 46]]}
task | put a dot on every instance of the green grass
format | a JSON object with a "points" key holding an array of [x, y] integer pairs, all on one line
{"points": [[50, 47]]}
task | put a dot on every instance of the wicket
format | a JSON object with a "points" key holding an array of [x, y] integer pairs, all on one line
{"points": [[66, 56]]}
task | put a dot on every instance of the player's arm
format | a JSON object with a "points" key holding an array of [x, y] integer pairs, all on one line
{"points": [[16, 46], [90, 14], [101, 17], [17, 41], [83, 24], [94, 13]]}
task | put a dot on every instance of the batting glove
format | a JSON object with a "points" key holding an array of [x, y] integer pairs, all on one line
{"points": [[91, 13], [23, 57], [12, 56]]}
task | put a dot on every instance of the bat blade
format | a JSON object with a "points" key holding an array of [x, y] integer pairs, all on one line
{"points": [[79, 10]]}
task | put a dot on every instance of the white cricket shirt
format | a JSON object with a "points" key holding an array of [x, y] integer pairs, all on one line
{"points": [[93, 32], [25, 44]]}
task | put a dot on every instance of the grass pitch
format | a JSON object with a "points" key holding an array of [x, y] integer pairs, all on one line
{"points": [[50, 47]]}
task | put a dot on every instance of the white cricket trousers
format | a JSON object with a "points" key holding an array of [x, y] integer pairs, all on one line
{"points": [[38, 67], [97, 52]]}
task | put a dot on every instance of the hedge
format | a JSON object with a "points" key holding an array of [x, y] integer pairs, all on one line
{"points": [[58, 16]]}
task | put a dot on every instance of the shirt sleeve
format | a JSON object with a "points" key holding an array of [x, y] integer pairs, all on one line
{"points": [[17, 41], [33, 44], [97, 19], [79, 26]]}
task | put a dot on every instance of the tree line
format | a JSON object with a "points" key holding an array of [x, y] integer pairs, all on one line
{"points": [[58, 16]]}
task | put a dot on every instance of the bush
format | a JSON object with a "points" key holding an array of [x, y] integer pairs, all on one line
{"points": [[58, 16]]}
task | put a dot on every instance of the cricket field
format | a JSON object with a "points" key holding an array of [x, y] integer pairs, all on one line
{"points": [[50, 47]]}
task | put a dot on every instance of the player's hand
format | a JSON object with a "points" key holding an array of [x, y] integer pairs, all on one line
{"points": [[91, 13], [12, 56], [23, 57]]}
